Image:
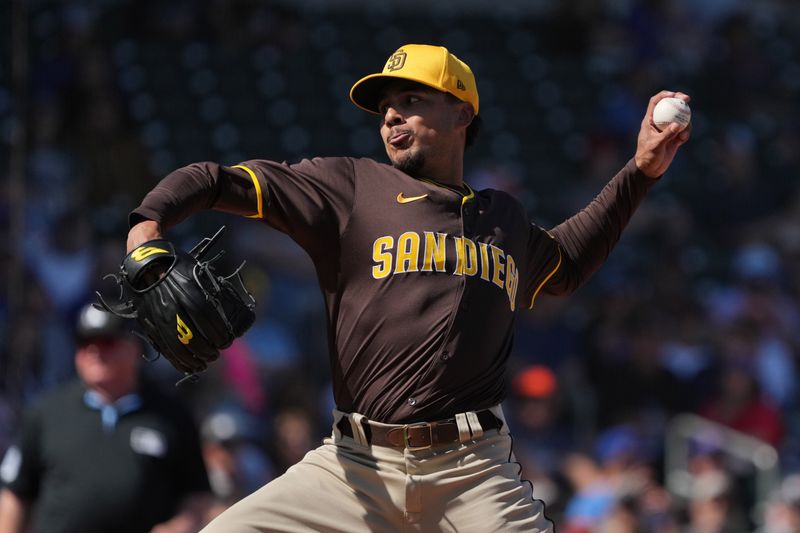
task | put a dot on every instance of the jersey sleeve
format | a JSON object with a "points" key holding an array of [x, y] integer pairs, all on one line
{"points": [[310, 201], [577, 247], [545, 260], [21, 469]]}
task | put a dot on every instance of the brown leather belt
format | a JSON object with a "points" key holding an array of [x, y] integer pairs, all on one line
{"points": [[417, 435]]}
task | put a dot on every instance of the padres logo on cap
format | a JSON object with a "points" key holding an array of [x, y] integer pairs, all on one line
{"points": [[397, 61]]}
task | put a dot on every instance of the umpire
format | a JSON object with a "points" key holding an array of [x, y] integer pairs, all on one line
{"points": [[422, 278], [105, 452]]}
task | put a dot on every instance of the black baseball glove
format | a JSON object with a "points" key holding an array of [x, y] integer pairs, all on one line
{"points": [[186, 310]]}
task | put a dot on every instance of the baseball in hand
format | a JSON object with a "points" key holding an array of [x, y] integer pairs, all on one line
{"points": [[669, 110]]}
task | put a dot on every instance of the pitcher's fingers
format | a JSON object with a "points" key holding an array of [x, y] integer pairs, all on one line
{"points": [[685, 134], [683, 96], [648, 116]]}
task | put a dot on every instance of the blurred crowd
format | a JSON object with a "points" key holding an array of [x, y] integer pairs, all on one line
{"points": [[697, 310]]}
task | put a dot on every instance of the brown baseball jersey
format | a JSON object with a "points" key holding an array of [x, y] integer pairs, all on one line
{"points": [[421, 281]]}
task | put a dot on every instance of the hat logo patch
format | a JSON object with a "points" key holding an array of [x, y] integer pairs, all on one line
{"points": [[397, 61]]}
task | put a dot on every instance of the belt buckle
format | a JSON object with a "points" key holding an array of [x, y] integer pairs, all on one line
{"points": [[406, 438]]}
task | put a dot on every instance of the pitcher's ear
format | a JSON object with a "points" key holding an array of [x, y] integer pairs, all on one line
{"points": [[465, 114]]}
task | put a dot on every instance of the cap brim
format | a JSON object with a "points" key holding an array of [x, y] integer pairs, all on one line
{"points": [[94, 323], [366, 92]]}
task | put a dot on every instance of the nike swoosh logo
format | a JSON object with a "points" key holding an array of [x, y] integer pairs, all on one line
{"points": [[406, 199]]}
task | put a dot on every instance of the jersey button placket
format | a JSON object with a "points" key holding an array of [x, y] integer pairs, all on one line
{"points": [[467, 210], [466, 219]]}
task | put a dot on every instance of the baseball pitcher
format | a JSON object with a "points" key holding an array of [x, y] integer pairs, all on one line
{"points": [[422, 277]]}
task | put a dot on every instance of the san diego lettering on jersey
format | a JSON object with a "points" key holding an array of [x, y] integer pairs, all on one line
{"points": [[412, 252]]}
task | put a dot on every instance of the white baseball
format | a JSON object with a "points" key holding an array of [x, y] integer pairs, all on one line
{"points": [[669, 110]]}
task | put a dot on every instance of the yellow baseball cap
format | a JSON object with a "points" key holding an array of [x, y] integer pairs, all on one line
{"points": [[433, 66]]}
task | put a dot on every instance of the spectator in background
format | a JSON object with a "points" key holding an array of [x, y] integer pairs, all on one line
{"points": [[294, 436], [541, 435], [764, 318], [61, 259], [629, 371], [105, 452], [713, 505], [593, 499], [236, 464], [626, 459], [739, 402], [782, 513]]}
